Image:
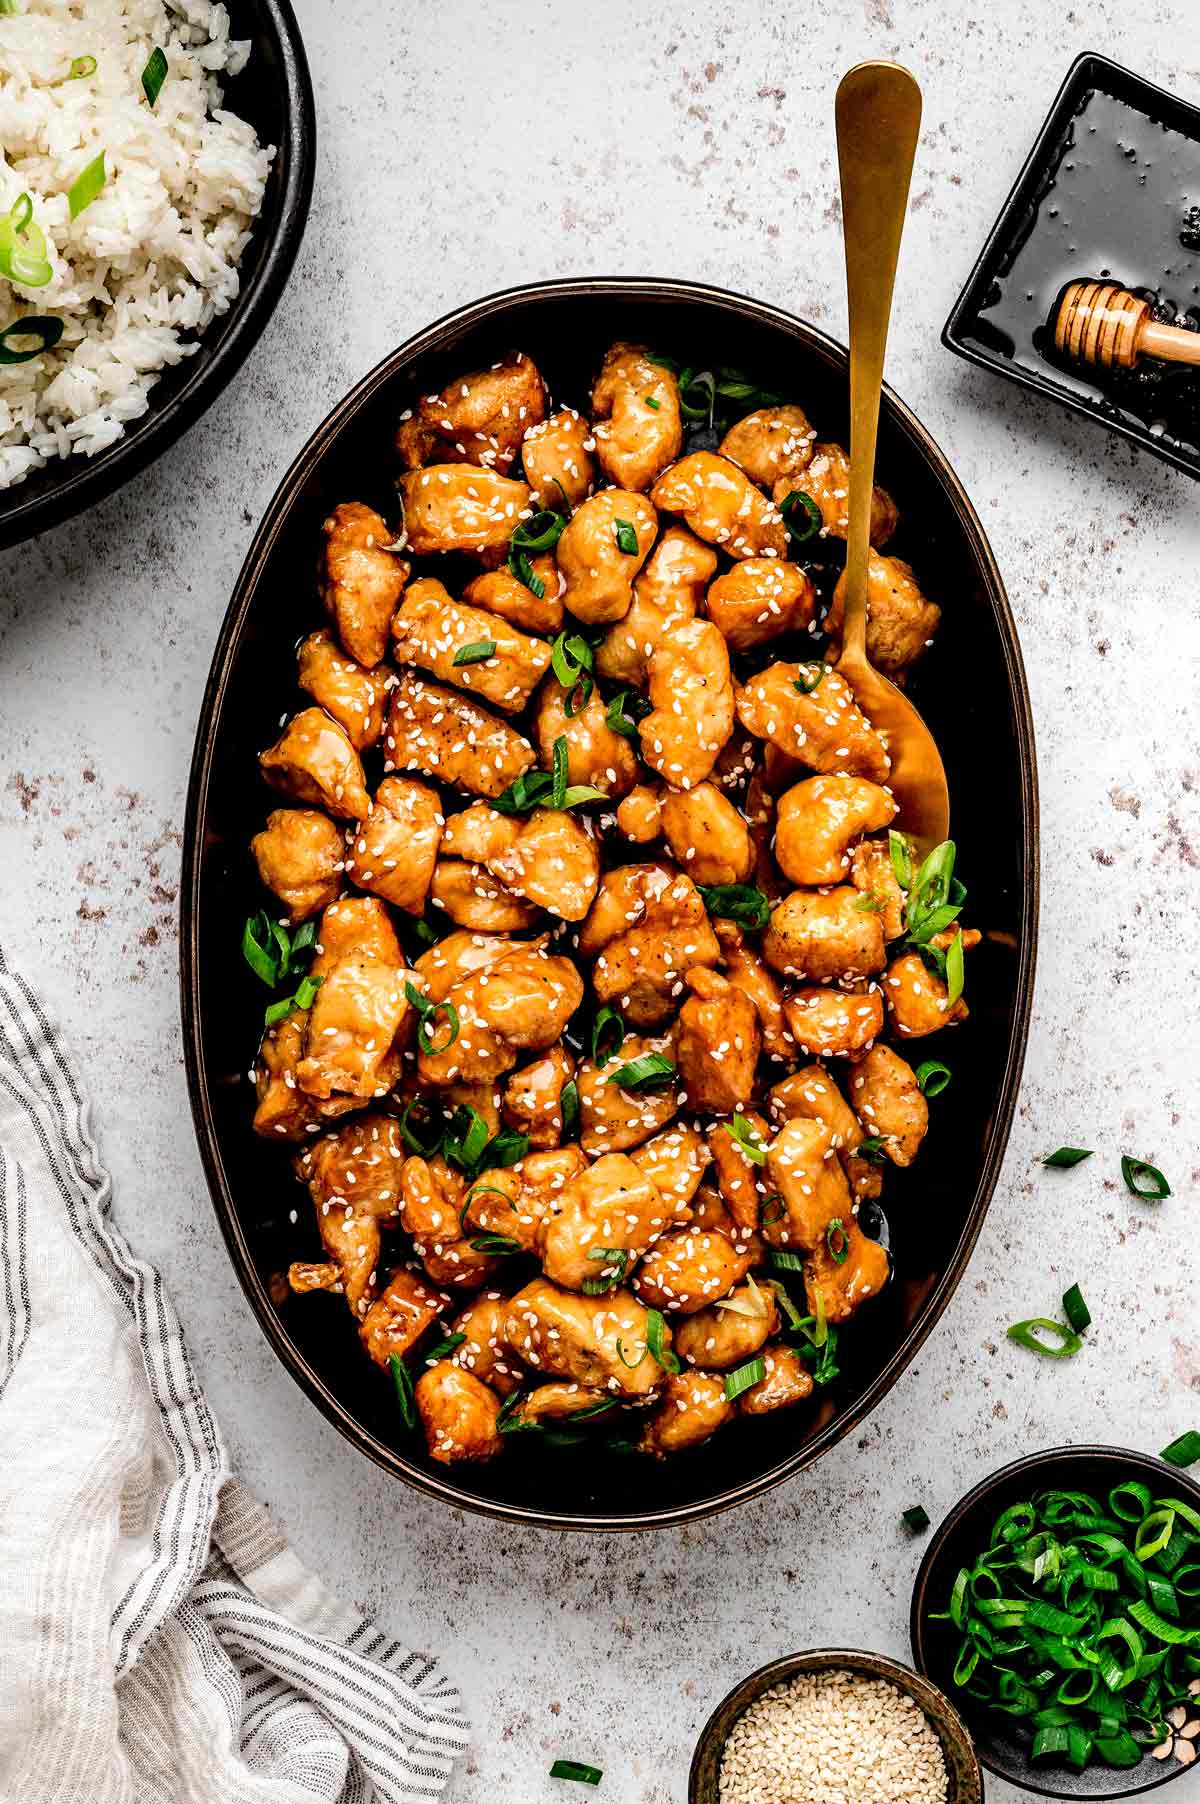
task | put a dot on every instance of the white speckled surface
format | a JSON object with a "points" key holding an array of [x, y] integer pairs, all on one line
{"points": [[463, 149]]}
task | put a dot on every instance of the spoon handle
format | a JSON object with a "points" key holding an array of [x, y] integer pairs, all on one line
{"points": [[878, 116]]}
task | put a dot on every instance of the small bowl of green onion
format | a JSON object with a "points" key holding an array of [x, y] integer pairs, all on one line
{"points": [[1059, 1606]]}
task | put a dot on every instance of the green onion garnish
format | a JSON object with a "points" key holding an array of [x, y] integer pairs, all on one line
{"points": [[955, 972], [616, 1261], [305, 996], [870, 904], [1076, 1310], [541, 533], [444, 1348], [747, 1138], [901, 855], [466, 1139], [916, 1519], [697, 395], [630, 1365], [1064, 1157], [574, 1769], [81, 68], [404, 1391], [736, 902], [1028, 1334], [261, 948], [933, 1076], [536, 789], [23, 259], [409, 1135], [568, 1104], [811, 676], [656, 1329], [559, 760], [475, 653], [624, 711], [427, 1026], [871, 1148], [650, 1072], [626, 536], [501, 1244], [786, 1262], [773, 1209], [801, 516], [86, 186], [1183, 1452], [154, 75], [739, 1380], [571, 661], [1144, 1180], [651, 402], [837, 1241]]}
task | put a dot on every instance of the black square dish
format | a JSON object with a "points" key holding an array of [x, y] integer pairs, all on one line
{"points": [[1110, 189]]}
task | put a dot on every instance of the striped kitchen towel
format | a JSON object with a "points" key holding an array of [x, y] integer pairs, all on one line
{"points": [[158, 1641]]}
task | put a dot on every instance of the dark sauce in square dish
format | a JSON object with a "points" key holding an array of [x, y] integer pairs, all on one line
{"points": [[1118, 201]]}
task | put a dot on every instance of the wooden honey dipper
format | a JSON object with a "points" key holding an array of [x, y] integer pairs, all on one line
{"points": [[1105, 324]]}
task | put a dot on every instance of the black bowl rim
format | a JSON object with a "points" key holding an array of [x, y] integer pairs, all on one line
{"points": [[430, 338], [918, 1623], [821, 1659], [954, 331], [86, 481]]}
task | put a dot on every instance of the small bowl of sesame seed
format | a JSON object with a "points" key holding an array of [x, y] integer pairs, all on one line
{"points": [[835, 1726]]}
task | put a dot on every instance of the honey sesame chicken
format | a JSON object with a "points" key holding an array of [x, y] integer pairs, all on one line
{"points": [[299, 854], [360, 580], [586, 1103]]}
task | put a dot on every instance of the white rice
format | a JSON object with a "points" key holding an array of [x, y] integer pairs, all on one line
{"points": [[154, 257]]}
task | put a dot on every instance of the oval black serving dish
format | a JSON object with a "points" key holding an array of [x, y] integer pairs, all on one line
{"points": [[972, 690], [274, 94]]}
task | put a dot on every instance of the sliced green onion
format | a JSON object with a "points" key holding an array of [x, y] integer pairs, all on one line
{"points": [[23, 259], [86, 186], [21, 214], [260, 949], [626, 537], [444, 1348], [475, 653], [916, 1518], [81, 68], [501, 1244], [540, 533], [837, 1241], [1160, 1628], [697, 395], [791, 1313], [955, 970], [305, 996], [872, 1148], [901, 856], [1144, 1180], [656, 1330], [746, 1137], [154, 75], [1076, 1310], [811, 677], [773, 1209], [508, 1148], [801, 516], [428, 1025], [870, 904], [615, 1257], [404, 1391], [568, 1107], [1183, 1452], [650, 1072], [624, 711], [1028, 1333], [739, 1380], [520, 567], [736, 902], [933, 1076], [560, 759], [1064, 1157], [575, 1769], [411, 1139], [631, 1365], [467, 1138], [608, 1034], [784, 1261], [651, 402]]}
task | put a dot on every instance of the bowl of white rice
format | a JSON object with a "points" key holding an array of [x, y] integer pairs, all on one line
{"points": [[835, 1726], [156, 166]]}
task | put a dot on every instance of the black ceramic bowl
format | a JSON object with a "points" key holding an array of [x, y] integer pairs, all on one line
{"points": [[274, 94], [967, 1529], [973, 691]]}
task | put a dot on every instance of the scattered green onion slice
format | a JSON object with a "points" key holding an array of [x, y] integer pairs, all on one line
{"points": [[81, 68], [630, 1365], [739, 902], [404, 1391], [624, 711], [21, 213], [575, 1769], [260, 949], [801, 516], [1183, 1452], [501, 1244], [615, 1257], [444, 1348], [807, 681], [837, 1241], [955, 971], [773, 1209], [154, 75], [466, 1138], [568, 1108], [541, 532], [520, 567], [784, 1261], [1076, 1310], [901, 856], [933, 1077], [871, 1148], [428, 1024], [647, 1073], [608, 1034], [23, 259], [742, 1377], [791, 1313], [475, 653], [916, 1519], [651, 402], [747, 1138], [626, 536], [423, 1149], [560, 759], [305, 996], [697, 395], [86, 186], [656, 1329], [870, 904], [1064, 1157], [1144, 1180], [1028, 1334]]}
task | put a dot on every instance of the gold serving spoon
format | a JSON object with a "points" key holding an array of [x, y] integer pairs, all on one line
{"points": [[878, 113]]}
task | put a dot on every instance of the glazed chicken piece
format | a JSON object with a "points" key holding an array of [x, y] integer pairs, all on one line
{"points": [[835, 1286], [500, 592], [454, 959], [431, 1201], [770, 443], [691, 695], [460, 507], [360, 1006], [692, 1408], [517, 1201], [824, 936], [872, 872], [560, 1402], [360, 580], [747, 972], [557, 459], [474, 899], [843, 1266], [829, 1023], [787, 1381], [646, 928], [639, 429], [666, 595], [758, 599], [353, 1178], [601, 551], [313, 761], [433, 631], [392, 853], [605, 1220], [917, 999], [483, 1351], [675, 1160], [889, 1102], [817, 822], [299, 857], [722, 506], [826, 480], [900, 622], [399, 1317], [569, 1336], [688, 1268], [718, 1044], [701, 826], [810, 1094], [533, 1103], [479, 418], [458, 1414], [522, 1002], [741, 1179], [452, 738], [546, 857], [283, 1111], [614, 1120], [352, 695], [728, 1333], [597, 756], [823, 728]]}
